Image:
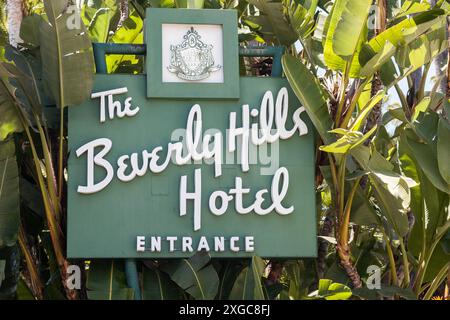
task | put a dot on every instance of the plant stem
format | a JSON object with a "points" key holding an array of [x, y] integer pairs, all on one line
{"points": [[423, 81], [54, 230], [51, 181], [333, 175], [343, 234], [391, 258], [402, 97], [353, 103], [341, 187], [35, 280], [447, 286], [61, 155], [423, 266], [405, 262], [436, 282], [343, 249], [343, 88]]}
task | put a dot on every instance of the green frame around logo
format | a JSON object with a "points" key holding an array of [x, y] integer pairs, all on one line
{"points": [[156, 88]]}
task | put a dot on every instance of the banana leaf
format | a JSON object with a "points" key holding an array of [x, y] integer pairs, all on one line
{"points": [[9, 194], [195, 275], [332, 59], [9, 120], [66, 53], [308, 90], [229, 271], [350, 27], [248, 285], [274, 21], [157, 285], [106, 281]]}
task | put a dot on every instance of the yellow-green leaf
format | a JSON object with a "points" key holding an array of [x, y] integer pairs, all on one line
{"points": [[350, 26]]}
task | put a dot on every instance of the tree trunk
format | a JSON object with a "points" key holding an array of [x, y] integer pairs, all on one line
{"points": [[15, 16], [322, 251], [349, 267], [381, 17], [377, 85]]}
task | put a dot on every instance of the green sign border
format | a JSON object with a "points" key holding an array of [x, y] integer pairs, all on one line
{"points": [[100, 225], [229, 89]]}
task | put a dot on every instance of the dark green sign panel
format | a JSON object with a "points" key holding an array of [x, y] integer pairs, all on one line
{"points": [[152, 177]]}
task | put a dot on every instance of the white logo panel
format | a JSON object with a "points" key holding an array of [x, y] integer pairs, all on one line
{"points": [[192, 53]]}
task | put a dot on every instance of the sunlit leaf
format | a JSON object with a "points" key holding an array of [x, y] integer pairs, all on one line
{"points": [[411, 7], [307, 89], [350, 27], [350, 140]]}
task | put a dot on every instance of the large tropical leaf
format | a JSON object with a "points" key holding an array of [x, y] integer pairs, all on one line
{"points": [[412, 42], [66, 53], [228, 274], [391, 190], [412, 7], [438, 260], [363, 212], [29, 29], [274, 21], [393, 208], [422, 144], [195, 275], [9, 120], [428, 204], [410, 169], [377, 61], [27, 90], [9, 194], [310, 94], [350, 27], [106, 281], [401, 34], [23, 292], [2, 271], [332, 59], [301, 18], [248, 285], [423, 49], [348, 140], [443, 149], [330, 290], [157, 285], [301, 276], [365, 110]]}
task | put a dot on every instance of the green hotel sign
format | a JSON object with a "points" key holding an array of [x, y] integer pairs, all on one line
{"points": [[154, 176]]}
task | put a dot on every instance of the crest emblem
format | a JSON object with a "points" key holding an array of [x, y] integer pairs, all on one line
{"points": [[192, 59]]}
